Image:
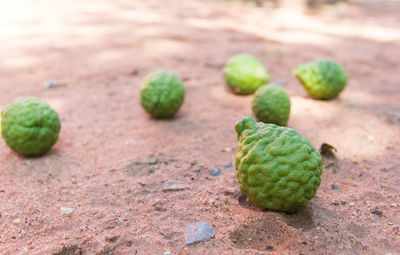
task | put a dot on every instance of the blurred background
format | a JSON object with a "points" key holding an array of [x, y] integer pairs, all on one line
{"points": [[70, 52]]}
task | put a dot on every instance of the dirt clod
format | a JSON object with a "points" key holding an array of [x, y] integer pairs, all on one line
{"points": [[70, 250]]}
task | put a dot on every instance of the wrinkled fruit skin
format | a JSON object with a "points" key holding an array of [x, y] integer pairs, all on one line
{"points": [[277, 168], [323, 79], [162, 94], [30, 126], [271, 104], [244, 74]]}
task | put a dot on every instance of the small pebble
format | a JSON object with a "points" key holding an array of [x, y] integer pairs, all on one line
{"points": [[67, 211], [196, 169], [160, 209], [280, 82], [174, 186], [226, 149], [17, 221], [229, 191], [215, 171], [376, 211], [212, 201], [198, 232], [148, 161], [166, 253], [51, 84], [334, 186], [227, 165], [112, 239], [304, 242]]}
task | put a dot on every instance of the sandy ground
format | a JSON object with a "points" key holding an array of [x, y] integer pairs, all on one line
{"points": [[112, 160]]}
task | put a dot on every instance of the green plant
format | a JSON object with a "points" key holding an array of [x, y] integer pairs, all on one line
{"points": [[323, 79], [277, 168], [244, 74], [162, 94], [271, 104], [30, 126]]}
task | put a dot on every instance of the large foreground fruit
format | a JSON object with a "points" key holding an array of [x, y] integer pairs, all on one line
{"points": [[30, 126], [271, 104], [162, 94], [323, 79], [244, 74], [277, 168]]}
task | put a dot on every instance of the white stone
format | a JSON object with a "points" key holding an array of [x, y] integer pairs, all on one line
{"points": [[66, 210]]}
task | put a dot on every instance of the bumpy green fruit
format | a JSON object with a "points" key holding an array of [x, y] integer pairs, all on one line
{"points": [[277, 168], [244, 74], [271, 104], [323, 79], [30, 126], [162, 94]]}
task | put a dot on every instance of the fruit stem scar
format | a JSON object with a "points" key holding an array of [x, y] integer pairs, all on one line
{"points": [[242, 125]]}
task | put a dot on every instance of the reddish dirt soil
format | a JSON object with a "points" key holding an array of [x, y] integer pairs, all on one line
{"points": [[112, 160]]}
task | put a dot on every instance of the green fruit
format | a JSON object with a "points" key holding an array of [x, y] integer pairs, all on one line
{"points": [[277, 168], [323, 79], [162, 94], [271, 104], [29, 126], [244, 74]]}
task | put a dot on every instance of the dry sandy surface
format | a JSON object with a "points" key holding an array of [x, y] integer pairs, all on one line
{"points": [[112, 160]]}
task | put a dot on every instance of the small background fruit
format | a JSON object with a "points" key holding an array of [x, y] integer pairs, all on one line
{"points": [[162, 94], [244, 74], [271, 104], [30, 126], [323, 79], [277, 168]]}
